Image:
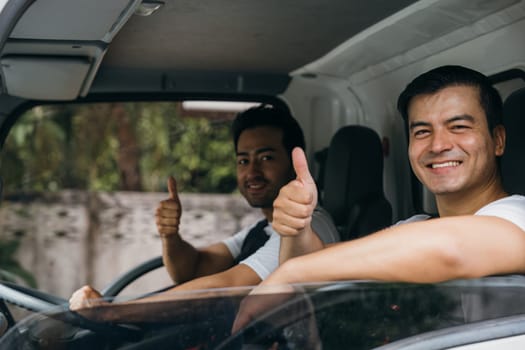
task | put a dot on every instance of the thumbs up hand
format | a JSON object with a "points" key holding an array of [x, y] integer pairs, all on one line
{"points": [[169, 211], [293, 208]]}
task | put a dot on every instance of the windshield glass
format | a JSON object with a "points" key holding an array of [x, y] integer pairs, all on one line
{"points": [[365, 315], [81, 183], [369, 315]]}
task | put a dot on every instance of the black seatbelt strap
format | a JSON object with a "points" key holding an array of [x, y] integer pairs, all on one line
{"points": [[254, 240]]}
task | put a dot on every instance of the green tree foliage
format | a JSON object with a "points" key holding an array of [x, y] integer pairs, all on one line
{"points": [[118, 146], [112, 147], [10, 269]]}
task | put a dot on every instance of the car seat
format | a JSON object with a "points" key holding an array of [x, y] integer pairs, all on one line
{"points": [[513, 160], [352, 182]]}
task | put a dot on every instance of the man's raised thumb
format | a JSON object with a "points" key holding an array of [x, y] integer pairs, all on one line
{"points": [[172, 188], [300, 165]]}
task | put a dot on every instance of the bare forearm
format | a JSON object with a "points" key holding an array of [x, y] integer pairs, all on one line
{"points": [[240, 275], [434, 251], [185, 263], [180, 258], [294, 246]]}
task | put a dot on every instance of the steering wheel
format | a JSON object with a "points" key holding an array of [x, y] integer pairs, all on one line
{"points": [[34, 300], [28, 298], [118, 284], [38, 301]]}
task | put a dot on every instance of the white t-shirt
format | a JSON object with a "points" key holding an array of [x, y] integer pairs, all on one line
{"points": [[511, 208], [481, 306], [266, 259]]}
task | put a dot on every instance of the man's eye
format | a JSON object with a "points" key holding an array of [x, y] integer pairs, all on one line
{"points": [[460, 127], [242, 161], [420, 133], [266, 157]]}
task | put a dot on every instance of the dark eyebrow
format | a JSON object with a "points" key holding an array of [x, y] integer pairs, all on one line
{"points": [[257, 151], [465, 117], [448, 121]]}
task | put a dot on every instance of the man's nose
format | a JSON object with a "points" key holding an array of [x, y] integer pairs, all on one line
{"points": [[441, 141], [254, 168]]}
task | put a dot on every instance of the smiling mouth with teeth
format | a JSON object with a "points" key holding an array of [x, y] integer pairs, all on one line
{"points": [[255, 186], [443, 165]]}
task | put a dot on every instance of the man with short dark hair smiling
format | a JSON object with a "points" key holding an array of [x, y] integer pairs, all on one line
{"points": [[454, 118], [263, 138]]}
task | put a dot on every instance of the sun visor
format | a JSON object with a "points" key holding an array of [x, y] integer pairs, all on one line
{"points": [[57, 46], [45, 78]]}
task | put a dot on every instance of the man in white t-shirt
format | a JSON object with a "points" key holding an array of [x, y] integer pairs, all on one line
{"points": [[454, 119], [263, 138]]}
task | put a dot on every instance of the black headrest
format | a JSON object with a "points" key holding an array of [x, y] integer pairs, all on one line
{"points": [[353, 170], [513, 160]]}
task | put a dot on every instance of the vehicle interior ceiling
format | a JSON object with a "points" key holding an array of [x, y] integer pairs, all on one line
{"points": [[330, 64]]}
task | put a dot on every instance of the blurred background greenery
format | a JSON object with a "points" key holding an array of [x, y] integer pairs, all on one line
{"points": [[107, 147], [119, 146]]}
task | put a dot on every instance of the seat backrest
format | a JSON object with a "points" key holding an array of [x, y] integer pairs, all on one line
{"points": [[513, 160], [353, 182]]}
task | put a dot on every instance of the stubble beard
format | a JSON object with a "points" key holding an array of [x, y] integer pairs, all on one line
{"points": [[260, 203]]}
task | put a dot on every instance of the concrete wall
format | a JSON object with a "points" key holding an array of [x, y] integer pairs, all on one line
{"points": [[74, 238]]}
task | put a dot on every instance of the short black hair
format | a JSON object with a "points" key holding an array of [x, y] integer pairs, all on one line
{"points": [[446, 76], [267, 115]]}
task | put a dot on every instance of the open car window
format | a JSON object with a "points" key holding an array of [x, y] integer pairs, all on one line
{"points": [[81, 183], [83, 170], [119, 146]]}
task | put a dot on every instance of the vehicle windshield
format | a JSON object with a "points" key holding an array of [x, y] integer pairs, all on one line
{"points": [[116, 157], [345, 315], [81, 183]]}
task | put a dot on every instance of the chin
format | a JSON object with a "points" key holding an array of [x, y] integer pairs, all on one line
{"points": [[445, 187], [445, 190], [260, 204]]}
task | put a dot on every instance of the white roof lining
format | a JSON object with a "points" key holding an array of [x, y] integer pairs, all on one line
{"points": [[460, 36], [91, 20], [40, 45], [363, 56]]}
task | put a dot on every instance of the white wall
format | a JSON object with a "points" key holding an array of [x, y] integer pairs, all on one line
{"points": [[75, 238]]}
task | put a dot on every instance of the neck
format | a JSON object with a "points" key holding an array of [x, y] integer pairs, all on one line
{"points": [[268, 213], [454, 204]]}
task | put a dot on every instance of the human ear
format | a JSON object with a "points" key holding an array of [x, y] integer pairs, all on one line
{"points": [[499, 136]]}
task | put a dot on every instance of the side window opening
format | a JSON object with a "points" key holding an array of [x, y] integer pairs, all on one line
{"points": [[81, 183]]}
